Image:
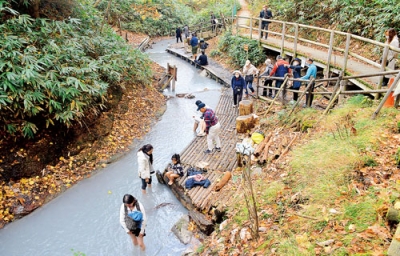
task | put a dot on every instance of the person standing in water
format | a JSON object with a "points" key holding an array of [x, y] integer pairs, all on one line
{"points": [[129, 205], [145, 165]]}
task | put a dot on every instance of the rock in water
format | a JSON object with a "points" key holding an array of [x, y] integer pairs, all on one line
{"points": [[180, 229]]}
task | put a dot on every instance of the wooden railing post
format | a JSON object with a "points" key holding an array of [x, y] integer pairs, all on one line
{"points": [[251, 28], [237, 25], [259, 30], [346, 52], [343, 84], [383, 64], [328, 62], [296, 35], [283, 37]]}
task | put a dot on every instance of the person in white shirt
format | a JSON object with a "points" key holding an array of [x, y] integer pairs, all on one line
{"points": [[131, 204], [145, 165]]}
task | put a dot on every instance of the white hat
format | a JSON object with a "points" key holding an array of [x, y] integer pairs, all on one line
{"points": [[236, 71]]}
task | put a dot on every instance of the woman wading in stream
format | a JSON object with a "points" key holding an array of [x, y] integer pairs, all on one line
{"points": [[145, 165], [130, 207]]}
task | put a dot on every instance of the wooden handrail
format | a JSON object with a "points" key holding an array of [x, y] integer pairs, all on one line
{"points": [[294, 35]]}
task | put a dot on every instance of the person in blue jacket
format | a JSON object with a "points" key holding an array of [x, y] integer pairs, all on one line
{"points": [[237, 84], [296, 69], [311, 73], [194, 42]]}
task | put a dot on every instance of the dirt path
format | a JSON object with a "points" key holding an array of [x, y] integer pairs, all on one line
{"points": [[244, 11]]}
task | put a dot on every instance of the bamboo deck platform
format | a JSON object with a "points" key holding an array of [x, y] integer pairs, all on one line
{"points": [[204, 200], [214, 70]]}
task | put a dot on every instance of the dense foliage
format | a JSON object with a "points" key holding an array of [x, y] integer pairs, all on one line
{"points": [[157, 17], [56, 72], [233, 46], [361, 17]]}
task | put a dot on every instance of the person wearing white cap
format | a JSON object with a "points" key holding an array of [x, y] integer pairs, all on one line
{"points": [[237, 84]]}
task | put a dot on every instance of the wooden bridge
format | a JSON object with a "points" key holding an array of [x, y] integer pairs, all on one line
{"points": [[211, 202], [334, 51]]}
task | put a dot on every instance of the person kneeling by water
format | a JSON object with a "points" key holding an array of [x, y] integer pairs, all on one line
{"points": [[175, 169]]}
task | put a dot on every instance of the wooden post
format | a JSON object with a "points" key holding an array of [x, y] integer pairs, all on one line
{"points": [[343, 84], [346, 52], [296, 35], [237, 25], [383, 66], [245, 107], [328, 62], [251, 28], [391, 89], [334, 94], [283, 37], [259, 30]]}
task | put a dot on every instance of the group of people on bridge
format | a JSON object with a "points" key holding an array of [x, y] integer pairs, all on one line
{"points": [[242, 83]]}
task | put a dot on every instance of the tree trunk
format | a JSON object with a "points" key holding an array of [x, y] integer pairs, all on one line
{"points": [[36, 9], [244, 123], [245, 107]]}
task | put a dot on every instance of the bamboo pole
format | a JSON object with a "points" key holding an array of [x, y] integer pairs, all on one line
{"points": [[277, 95], [301, 96], [391, 89]]}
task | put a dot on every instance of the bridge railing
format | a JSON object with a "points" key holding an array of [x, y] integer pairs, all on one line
{"points": [[341, 43]]}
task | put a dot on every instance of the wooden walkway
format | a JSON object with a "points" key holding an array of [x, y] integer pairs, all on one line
{"points": [[205, 199]]}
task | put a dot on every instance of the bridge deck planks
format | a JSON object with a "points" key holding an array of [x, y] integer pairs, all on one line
{"points": [[203, 199]]}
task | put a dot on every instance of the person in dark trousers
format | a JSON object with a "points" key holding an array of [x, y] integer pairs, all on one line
{"points": [[267, 81], [213, 22], [194, 42], [178, 33], [237, 84], [296, 67], [145, 165], [311, 73], [265, 14], [202, 60], [280, 70]]}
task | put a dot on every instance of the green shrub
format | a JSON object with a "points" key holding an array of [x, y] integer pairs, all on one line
{"points": [[55, 72], [234, 47]]}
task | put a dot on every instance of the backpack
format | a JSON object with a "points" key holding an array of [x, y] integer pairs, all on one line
{"points": [[131, 224]]}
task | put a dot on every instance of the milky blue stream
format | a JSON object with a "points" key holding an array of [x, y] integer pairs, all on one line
{"points": [[85, 218]]}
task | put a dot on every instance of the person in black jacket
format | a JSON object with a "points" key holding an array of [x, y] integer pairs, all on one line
{"points": [[238, 84], [202, 60], [265, 14], [178, 33]]}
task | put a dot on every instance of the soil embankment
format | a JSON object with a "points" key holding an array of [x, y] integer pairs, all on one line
{"points": [[35, 171]]}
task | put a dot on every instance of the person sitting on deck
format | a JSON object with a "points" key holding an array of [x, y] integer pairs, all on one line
{"points": [[202, 60], [174, 169]]}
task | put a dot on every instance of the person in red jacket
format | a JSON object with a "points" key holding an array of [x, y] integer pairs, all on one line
{"points": [[280, 70]]}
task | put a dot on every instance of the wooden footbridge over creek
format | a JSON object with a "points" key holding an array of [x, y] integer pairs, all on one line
{"points": [[341, 67]]}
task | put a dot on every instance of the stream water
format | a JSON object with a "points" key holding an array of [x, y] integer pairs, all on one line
{"points": [[85, 218]]}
